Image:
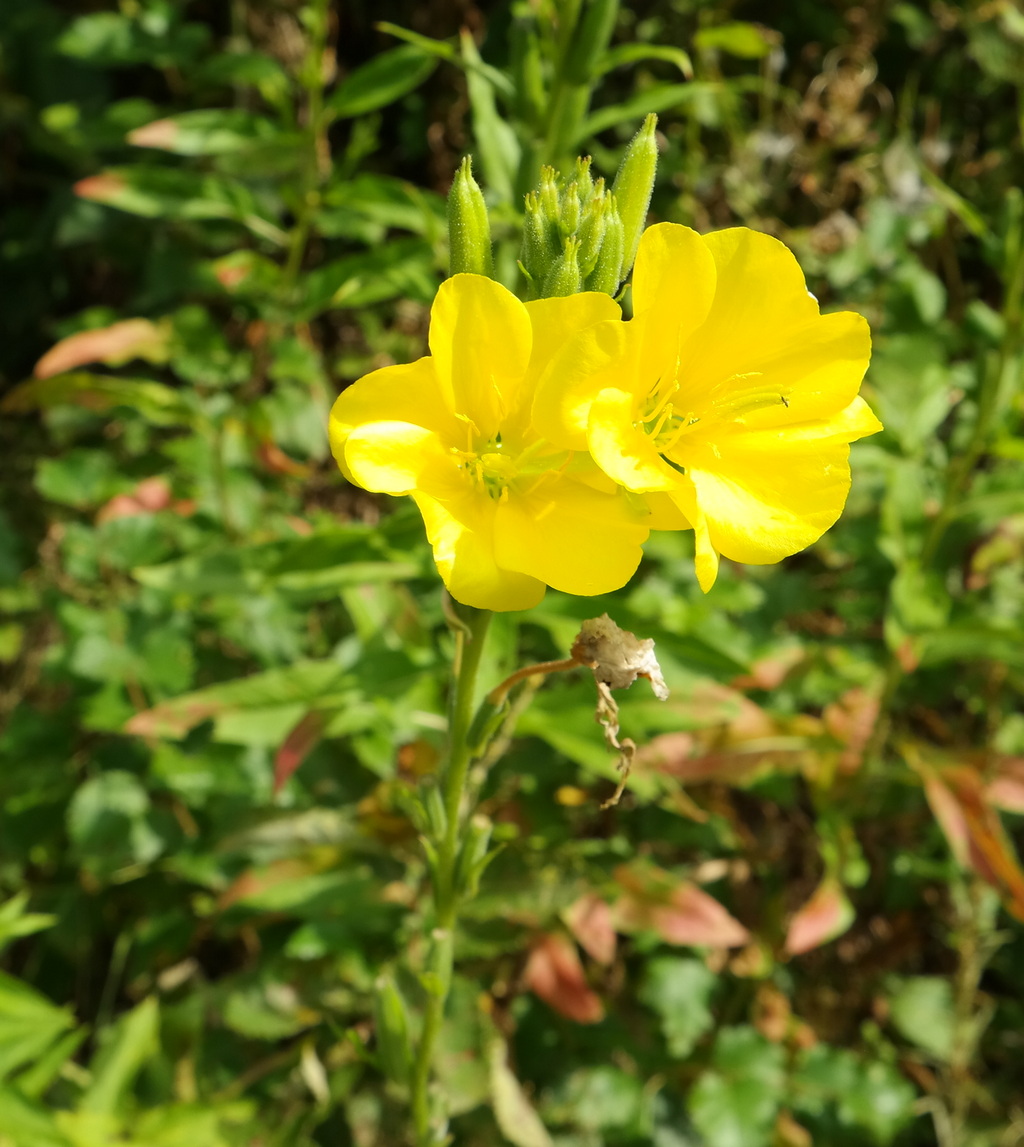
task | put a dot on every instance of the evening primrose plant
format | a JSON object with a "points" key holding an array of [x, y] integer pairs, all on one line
{"points": [[544, 438]]}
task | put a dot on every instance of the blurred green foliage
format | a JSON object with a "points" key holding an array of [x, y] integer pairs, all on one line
{"points": [[223, 669]]}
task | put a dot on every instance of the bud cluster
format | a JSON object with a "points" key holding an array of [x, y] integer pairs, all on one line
{"points": [[579, 236], [572, 235]]}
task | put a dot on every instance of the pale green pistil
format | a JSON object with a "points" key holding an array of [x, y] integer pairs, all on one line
{"points": [[494, 469]]}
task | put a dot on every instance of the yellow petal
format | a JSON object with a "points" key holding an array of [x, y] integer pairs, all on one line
{"points": [[623, 451], [674, 277], [600, 356], [762, 505], [464, 554], [760, 308], [407, 393], [665, 514], [570, 536], [810, 372], [555, 321], [392, 457], [480, 339], [705, 556]]}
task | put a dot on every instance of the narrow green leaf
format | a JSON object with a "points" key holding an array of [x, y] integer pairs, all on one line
{"points": [[29, 1024], [173, 193], [208, 131], [624, 54], [496, 142], [659, 98], [746, 41], [381, 81], [158, 404], [126, 1049]]}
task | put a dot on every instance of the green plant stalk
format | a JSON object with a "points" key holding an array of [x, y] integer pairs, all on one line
{"points": [[583, 38], [312, 77], [469, 650]]}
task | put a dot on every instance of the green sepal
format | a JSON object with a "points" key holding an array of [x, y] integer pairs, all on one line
{"points": [[569, 215], [547, 195], [469, 229], [632, 188], [540, 248], [564, 278], [607, 273], [584, 180], [591, 234]]}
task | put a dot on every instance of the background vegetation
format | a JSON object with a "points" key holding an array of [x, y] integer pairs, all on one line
{"points": [[222, 668]]}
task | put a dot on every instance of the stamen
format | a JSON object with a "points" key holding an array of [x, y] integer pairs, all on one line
{"points": [[666, 414], [663, 399]]}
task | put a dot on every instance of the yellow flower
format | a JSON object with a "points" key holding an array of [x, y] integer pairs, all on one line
{"points": [[729, 401], [506, 512]]}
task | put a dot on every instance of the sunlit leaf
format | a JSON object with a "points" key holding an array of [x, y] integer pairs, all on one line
{"points": [[385, 78]]}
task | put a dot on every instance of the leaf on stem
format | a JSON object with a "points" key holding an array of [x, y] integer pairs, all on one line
{"points": [[554, 973], [825, 916], [589, 919], [678, 911]]}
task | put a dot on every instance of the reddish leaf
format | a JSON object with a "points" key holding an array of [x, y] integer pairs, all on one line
{"points": [[102, 188], [992, 855], [825, 916], [678, 911], [277, 462], [1006, 789], [116, 344], [946, 810], [299, 743], [253, 881], [770, 672], [161, 133], [590, 921], [852, 720], [958, 798], [173, 718], [149, 496], [554, 973], [680, 755]]}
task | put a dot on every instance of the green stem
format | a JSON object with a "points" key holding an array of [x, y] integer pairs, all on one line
{"points": [[469, 650], [312, 78]]}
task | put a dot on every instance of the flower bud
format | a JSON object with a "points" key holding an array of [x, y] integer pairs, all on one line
{"points": [[584, 180], [607, 273], [633, 186], [539, 246], [548, 194], [469, 230], [564, 278], [569, 216], [591, 234]]}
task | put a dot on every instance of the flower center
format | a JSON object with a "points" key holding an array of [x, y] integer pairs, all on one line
{"points": [[663, 420], [667, 421], [494, 468]]}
